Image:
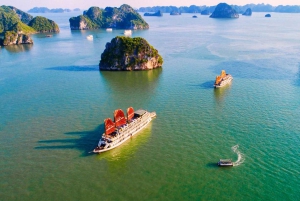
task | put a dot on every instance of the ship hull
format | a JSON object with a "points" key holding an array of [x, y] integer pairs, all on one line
{"points": [[224, 82], [126, 134]]}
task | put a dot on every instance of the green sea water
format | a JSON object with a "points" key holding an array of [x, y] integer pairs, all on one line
{"points": [[53, 101]]}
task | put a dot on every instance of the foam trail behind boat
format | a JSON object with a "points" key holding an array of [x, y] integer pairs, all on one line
{"points": [[241, 157]]}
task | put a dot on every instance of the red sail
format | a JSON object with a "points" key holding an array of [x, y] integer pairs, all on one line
{"points": [[130, 113], [109, 126], [119, 118]]}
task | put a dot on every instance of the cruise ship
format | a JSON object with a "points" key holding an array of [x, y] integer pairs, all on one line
{"points": [[223, 79], [122, 128]]}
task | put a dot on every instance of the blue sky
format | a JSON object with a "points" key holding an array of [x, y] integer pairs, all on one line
{"points": [[85, 4]]}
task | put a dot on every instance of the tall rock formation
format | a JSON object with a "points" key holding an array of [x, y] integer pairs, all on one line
{"points": [[248, 12], [13, 38], [43, 25], [223, 10], [124, 17], [127, 54]]}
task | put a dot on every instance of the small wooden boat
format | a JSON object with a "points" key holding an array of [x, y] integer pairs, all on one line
{"points": [[225, 162]]}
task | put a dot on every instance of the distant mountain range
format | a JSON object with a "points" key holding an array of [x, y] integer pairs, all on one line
{"points": [[239, 9], [47, 10]]}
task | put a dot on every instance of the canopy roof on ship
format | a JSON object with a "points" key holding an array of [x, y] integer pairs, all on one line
{"points": [[140, 112]]}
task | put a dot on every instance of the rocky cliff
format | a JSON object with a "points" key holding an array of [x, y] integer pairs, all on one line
{"points": [[128, 54], [124, 17], [223, 10], [13, 38], [43, 25]]}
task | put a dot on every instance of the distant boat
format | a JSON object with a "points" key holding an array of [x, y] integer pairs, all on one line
{"points": [[48, 36], [109, 29], [225, 162], [194, 16], [90, 37], [223, 79], [127, 32]]}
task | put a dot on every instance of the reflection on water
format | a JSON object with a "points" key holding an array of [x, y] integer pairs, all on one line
{"points": [[221, 93], [132, 78], [137, 86], [18, 48], [127, 150]]}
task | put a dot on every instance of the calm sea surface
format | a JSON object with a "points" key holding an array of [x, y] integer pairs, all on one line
{"points": [[53, 101]]}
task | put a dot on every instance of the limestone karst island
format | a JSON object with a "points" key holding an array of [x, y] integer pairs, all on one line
{"points": [[16, 25], [124, 17], [128, 54], [223, 10]]}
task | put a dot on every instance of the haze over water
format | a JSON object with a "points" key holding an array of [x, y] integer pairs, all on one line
{"points": [[53, 101]]}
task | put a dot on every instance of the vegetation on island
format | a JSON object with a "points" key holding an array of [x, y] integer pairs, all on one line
{"points": [[12, 37], [125, 53], [42, 24], [10, 21], [124, 17], [24, 17], [16, 25], [223, 10]]}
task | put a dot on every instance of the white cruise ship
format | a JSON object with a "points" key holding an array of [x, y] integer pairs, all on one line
{"points": [[223, 79], [121, 129]]}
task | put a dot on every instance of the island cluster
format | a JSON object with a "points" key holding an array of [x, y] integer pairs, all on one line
{"points": [[121, 53], [16, 26]]}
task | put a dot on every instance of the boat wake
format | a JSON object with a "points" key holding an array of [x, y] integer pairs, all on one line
{"points": [[241, 157]]}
